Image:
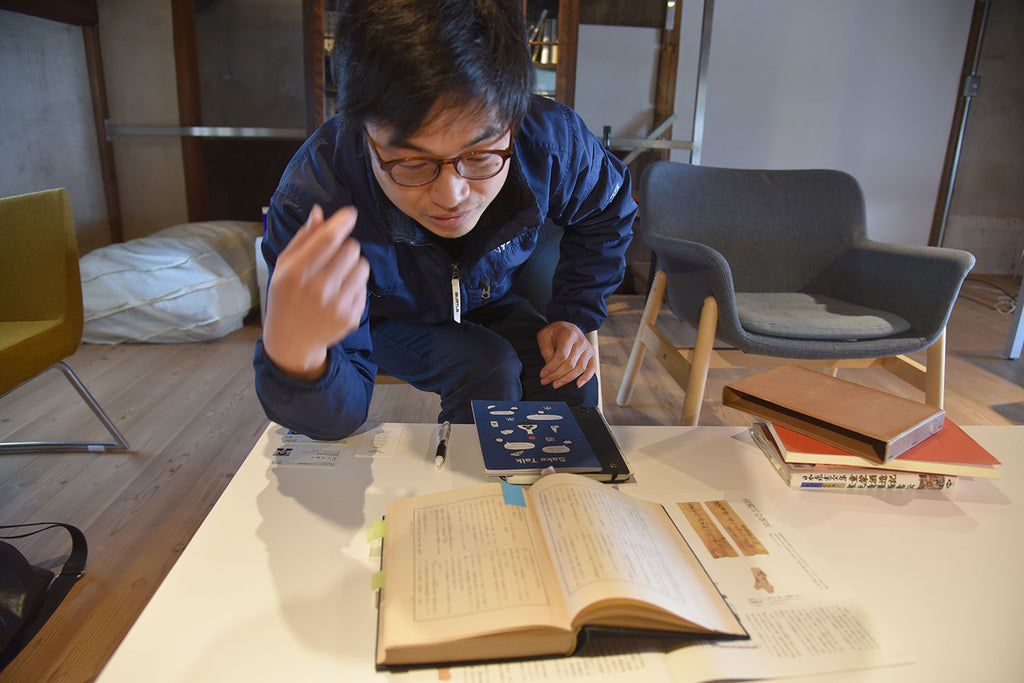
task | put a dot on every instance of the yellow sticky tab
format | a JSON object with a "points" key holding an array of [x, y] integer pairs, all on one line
{"points": [[376, 530], [377, 580]]}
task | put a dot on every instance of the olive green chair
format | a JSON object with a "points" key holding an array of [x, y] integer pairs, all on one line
{"points": [[41, 305]]}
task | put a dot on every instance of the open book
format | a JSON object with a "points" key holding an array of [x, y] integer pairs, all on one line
{"points": [[498, 571]]}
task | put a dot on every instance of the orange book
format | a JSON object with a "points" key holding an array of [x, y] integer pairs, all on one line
{"points": [[948, 451]]}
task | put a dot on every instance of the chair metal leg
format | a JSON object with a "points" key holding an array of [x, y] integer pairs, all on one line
{"points": [[636, 355], [118, 444], [701, 361]]}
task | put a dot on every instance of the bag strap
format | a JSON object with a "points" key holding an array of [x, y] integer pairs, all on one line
{"points": [[72, 570]]}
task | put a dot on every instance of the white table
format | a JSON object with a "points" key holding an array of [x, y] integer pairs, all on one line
{"points": [[275, 584]]}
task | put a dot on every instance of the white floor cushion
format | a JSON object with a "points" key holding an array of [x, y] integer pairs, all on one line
{"points": [[191, 282]]}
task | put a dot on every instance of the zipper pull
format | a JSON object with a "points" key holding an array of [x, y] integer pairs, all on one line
{"points": [[456, 294]]}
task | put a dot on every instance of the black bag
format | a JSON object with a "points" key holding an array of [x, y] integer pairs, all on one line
{"points": [[29, 594]]}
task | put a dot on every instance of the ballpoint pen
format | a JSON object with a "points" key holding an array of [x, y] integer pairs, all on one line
{"points": [[442, 444]]}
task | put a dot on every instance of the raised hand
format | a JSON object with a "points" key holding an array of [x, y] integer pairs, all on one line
{"points": [[317, 294]]}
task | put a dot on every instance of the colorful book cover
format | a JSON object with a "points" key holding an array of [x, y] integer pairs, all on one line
{"points": [[816, 476], [948, 451], [523, 437]]}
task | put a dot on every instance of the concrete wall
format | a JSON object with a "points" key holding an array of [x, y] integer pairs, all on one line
{"points": [[47, 137], [986, 214]]}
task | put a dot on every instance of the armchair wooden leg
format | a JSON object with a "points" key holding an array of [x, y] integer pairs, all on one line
{"points": [[929, 377], [701, 361], [935, 380], [636, 355]]}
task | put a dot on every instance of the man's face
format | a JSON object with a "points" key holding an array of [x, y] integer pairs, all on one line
{"points": [[450, 205]]}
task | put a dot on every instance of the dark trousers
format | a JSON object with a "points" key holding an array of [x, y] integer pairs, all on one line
{"points": [[491, 355]]}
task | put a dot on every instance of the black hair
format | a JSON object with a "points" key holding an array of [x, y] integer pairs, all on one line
{"points": [[393, 59]]}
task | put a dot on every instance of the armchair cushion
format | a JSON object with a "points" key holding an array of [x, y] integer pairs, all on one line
{"points": [[798, 315]]}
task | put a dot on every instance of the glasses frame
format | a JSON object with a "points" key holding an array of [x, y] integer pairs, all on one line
{"points": [[386, 166]]}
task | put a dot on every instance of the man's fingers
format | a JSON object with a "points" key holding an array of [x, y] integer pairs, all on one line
{"points": [[580, 363], [317, 242], [589, 373], [351, 297], [338, 269]]}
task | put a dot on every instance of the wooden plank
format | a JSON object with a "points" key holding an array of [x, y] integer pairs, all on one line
{"points": [[313, 61], [78, 12], [190, 113], [649, 13], [568, 37], [209, 422], [100, 115], [668, 66]]}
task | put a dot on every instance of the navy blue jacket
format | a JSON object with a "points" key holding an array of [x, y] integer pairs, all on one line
{"points": [[559, 172]]}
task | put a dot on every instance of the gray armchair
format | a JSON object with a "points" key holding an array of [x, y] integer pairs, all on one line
{"points": [[777, 265]]}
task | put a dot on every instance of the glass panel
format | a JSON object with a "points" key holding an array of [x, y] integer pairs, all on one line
{"points": [[250, 63], [542, 27]]}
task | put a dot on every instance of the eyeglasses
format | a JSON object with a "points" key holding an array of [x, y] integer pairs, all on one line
{"points": [[417, 171]]}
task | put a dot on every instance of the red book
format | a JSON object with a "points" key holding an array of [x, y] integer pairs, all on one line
{"points": [[948, 451]]}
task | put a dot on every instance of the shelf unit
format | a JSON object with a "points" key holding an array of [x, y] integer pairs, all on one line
{"points": [[318, 28], [554, 29]]}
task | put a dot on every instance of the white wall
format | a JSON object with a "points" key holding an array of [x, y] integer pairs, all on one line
{"points": [[47, 136], [867, 87]]}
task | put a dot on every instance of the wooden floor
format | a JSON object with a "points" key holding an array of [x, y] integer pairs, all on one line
{"points": [[191, 416]]}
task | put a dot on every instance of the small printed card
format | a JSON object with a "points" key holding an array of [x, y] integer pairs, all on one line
{"points": [[525, 437], [297, 450]]}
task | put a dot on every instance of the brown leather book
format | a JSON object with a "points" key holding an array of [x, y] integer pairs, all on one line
{"points": [[855, 418]]}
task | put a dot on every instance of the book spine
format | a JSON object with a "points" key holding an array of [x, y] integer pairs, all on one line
{"points": [[866, 479], [846, 478]]}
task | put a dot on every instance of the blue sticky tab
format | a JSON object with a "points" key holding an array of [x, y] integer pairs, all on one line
{"points": [[513, 494]]}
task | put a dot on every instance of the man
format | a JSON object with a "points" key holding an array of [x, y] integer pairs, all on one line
{"points": [[398, 229]]}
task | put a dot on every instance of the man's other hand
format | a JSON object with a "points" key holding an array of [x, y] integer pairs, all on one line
{"points": [[567, 354]]}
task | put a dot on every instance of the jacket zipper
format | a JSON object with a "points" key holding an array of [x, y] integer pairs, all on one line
{"points": [[456, 294]]}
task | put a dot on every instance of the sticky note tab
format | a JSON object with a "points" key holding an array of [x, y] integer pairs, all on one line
{"points": [[376, 530], [513, 494], [377, 580]]}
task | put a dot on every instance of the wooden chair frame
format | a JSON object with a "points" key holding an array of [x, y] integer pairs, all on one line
{"points": [[689, 366]]}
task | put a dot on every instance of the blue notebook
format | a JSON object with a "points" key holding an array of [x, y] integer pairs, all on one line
{"points": [[525, 437]]}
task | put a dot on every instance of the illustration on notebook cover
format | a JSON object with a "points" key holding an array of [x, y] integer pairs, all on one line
{"points": [[517, 436]]}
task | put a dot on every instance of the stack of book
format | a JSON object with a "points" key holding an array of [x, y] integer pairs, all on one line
{"points": [[823, 432], [936, 463]]}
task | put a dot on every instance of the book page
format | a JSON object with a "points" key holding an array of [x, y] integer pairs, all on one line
{"points": [[464, 562], [606, 545], [605, 658], [800, 617], [802, 620]]}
